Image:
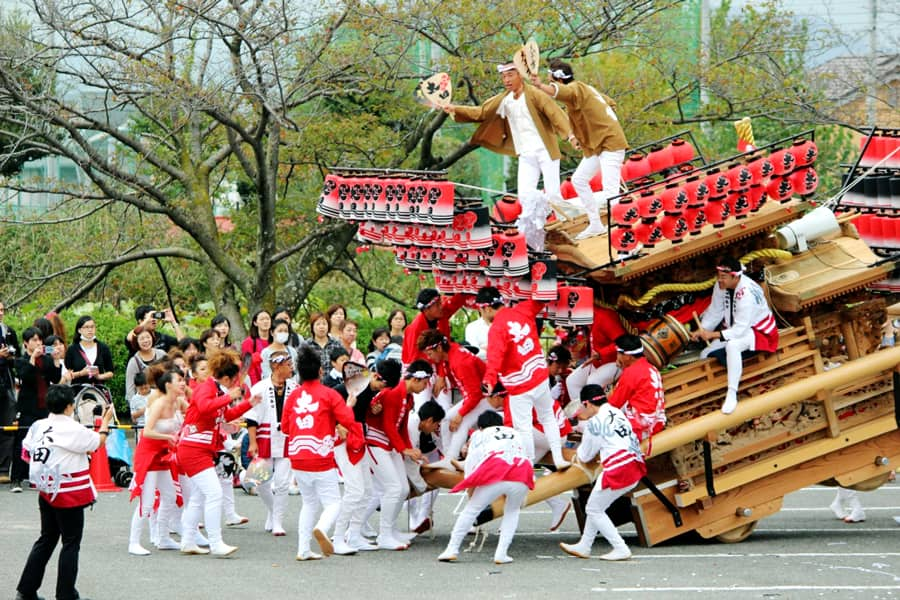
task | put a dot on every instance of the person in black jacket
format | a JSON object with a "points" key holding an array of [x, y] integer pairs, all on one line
{"points": [[9, 348], [37, 371], [88, 359]]}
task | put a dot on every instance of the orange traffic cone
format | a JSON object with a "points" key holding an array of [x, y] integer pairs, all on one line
{"points": [[100, 467]]}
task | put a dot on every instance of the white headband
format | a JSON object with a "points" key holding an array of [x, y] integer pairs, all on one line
{"points": [[506, 67], [559, 74], [418, 375], [630, 352]]}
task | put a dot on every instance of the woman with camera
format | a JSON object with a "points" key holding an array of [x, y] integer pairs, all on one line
{"points": [[145, 355]]}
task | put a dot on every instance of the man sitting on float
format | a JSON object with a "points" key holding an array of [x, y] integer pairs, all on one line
{"points": [[749, 326]]}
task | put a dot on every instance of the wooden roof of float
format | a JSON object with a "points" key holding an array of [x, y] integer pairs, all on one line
{"points": [[830, 269]]}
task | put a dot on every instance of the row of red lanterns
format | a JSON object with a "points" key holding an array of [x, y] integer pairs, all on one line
{"points": [[385, 198], [880, 147]]}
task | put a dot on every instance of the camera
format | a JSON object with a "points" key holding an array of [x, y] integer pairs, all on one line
{"points": [[159, 315], [48, 350]]}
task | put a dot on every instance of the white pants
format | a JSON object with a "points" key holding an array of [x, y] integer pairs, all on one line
{"points": [[456, 439], [609, 165], [357, 489], [733, 359], [320, 492], [388, 470], [520, 406], [205, 500], [596, 519], [482, 497], [274, 492], [587, 373], [154, 480], [535, 204]]}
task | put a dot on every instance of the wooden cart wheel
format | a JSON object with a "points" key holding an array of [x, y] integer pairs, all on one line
{"points": [[871, 484], [738, 534]]}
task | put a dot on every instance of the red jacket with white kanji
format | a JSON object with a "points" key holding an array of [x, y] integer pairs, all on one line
{"points": [[639, 393], [465, 371], [419, 324], [310, 415], [514, 356], [389, 429], [202, 433]]}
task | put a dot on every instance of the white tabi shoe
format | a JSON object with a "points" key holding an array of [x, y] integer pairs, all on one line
{"points": [[575, 550], [308, 555], [137, 550], [325, 544], [222, 550], [342, 548], [390, 543], [236, 520], [168, 543], [361, 544], [617, 554], [193, 549], [730, 403], [857, 515], [447, 556], [560, 510], [502, 560], [838, 509]]}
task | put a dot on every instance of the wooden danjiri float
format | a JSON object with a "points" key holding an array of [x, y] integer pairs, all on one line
{"points": [[820, 410]]}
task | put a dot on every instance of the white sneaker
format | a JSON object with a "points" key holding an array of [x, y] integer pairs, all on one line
{"points": [[447, 556], [617, 554], [342, 548], [221, 550], [390, 543], [590, 231], [502, 560], [138, 550], [168, 543], [730, 404], [308, 555], [193, 549], [325, 544], [575, 550]]}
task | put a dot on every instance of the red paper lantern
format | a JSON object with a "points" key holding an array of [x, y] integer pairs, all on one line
{"points": [[625, 213], [780, 189], [805, 152], [674, 228], [783, 162], [740, 177], [623, 239], [649, 233], [718, 212], [567, 190], [596, 182], [506, 210], [756, 195], [660, 158], [682, 151], [696, 219], [673, 204], [740, 204], [804, 181], [718, 184], [697, 191], [637, 166], [760, 170], [649, 205]]}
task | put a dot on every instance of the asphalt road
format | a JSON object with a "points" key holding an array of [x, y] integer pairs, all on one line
{"points": [[801, 552]]}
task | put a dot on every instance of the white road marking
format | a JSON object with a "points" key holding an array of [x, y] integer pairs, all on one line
{"points": [[747, 588]]}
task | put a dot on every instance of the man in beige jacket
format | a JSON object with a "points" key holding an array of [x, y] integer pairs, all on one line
{"points": [[522, 122], [593, 119]]}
